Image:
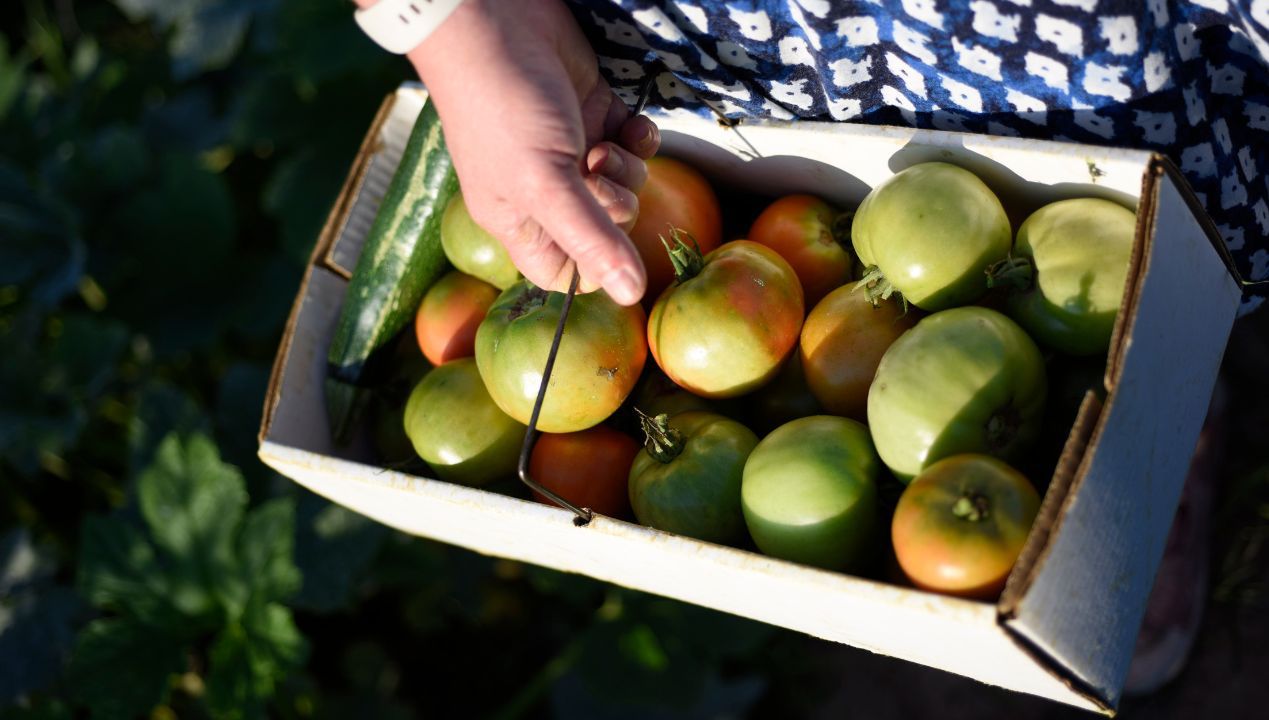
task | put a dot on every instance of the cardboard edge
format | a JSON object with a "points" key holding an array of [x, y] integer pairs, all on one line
{"points": [[1138, 264], [1167, 167], [319, 259]]}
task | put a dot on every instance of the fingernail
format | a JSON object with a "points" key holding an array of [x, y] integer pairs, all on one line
{"points": [[649, 138], [622, 286], [613, 164], [605, 191]]}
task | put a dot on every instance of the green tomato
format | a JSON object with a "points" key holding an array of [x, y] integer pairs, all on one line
{"points": [[1079, 251], [686, 480], [931, 230], [810, 492], [600, 357], [965, 380], [455, 426], [473, 250]]}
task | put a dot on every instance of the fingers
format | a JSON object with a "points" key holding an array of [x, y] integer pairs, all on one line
{"points": [[580, 217], [617, 116], [640, 136], [617, 164], [537, 256]]}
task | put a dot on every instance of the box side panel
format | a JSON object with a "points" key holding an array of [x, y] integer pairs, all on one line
{"points": [[955, 635], [1088, 595]]}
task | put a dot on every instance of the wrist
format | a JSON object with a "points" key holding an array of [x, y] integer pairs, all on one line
{"points": [[401, 26]]}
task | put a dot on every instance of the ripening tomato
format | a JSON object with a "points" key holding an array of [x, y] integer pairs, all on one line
{"points": [[600, 357], [812, 237], [471, 249], [810, 492], [842, 342], [965, 380], [785, 398], [686, 480], [452, 309], [729, 320], [590, 468], [1075, 254], [931, 230], [658, 394], [961, 525], [455, 426], [675, 196]]}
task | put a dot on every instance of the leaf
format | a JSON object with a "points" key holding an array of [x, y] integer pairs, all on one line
{"points": [[36, 633], [209, 38], [334, 547], [162, 408], [192, 503], [22, 564], [266, 551], [118, 571], [120, 667], [250, 658]]}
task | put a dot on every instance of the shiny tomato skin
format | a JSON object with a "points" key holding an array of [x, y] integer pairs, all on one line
{"points": [[965, 380], [932, 229], [589, 468], [452, 309], [801, 229], [471, 248], [810, 492], [601, 355], [963, 547], [675, 195], [842, 342], [455, 426], [726, 331], [697, 493], [1080, 250]]}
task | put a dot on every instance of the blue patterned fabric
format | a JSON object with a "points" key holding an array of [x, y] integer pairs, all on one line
{"points": [[1188, 79]]}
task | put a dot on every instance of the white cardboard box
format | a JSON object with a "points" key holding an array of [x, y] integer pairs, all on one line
{"points": [[1064, 628]]}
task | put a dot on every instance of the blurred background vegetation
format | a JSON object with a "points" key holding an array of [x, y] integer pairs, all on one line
{"points": [[165, 166]]}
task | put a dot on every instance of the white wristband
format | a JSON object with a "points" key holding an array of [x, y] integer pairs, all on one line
{"points": [[399, 26]]}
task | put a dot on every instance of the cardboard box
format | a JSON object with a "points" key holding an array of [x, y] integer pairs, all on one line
{"points": [[1065, 626]]}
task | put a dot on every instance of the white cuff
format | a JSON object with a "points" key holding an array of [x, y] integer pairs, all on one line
{"points": [[399, 26]]}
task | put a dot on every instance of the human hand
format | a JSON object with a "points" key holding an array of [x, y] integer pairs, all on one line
{"points": [[548, 158]]}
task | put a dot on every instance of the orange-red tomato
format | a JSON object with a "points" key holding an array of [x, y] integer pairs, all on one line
{"points": [[803, 229], [961, 524], [725, 328], [842, 342], [449, 315], [590, 468], [677, 196]]}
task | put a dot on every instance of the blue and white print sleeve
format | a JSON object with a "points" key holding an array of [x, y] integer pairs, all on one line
{"points": [[1190, 79]]}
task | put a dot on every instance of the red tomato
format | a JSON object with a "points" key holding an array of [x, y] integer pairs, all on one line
{"points": [[728, 322], [590, 468], [449, 315], [806, 232], [842, 342], [961, 524], [675, 196]]}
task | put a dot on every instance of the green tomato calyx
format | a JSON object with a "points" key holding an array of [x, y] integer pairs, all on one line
{"points": [[687, 261], [663, 442], [533, 297], [972, 507], [1015, 273], [878, 289]]}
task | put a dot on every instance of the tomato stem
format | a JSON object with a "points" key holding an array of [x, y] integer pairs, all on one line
{"points": [[878, 289], [1015, 273], [840, 229], [687, 261], [663, 442], [972, 507]]}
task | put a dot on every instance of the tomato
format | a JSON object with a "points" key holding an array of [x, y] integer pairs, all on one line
{"points": [[809, 235], [452, 309], [842, 342], [810, 492], [1074, 257], [600, 357], [455, 426], [686, 480], [657, 394], [726, 325], [675, 196], [931, 230], [963, 380], [961, 524], [590, 468], [473, 250], [785, 398]]}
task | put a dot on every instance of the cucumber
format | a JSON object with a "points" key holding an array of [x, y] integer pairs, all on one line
{"points": [[401, 259]]}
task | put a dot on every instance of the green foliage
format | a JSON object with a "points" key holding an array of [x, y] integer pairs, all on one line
{"points": [[205, 567]]}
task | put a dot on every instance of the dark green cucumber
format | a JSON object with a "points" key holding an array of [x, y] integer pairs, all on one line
{"points": [[401, 259]]}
